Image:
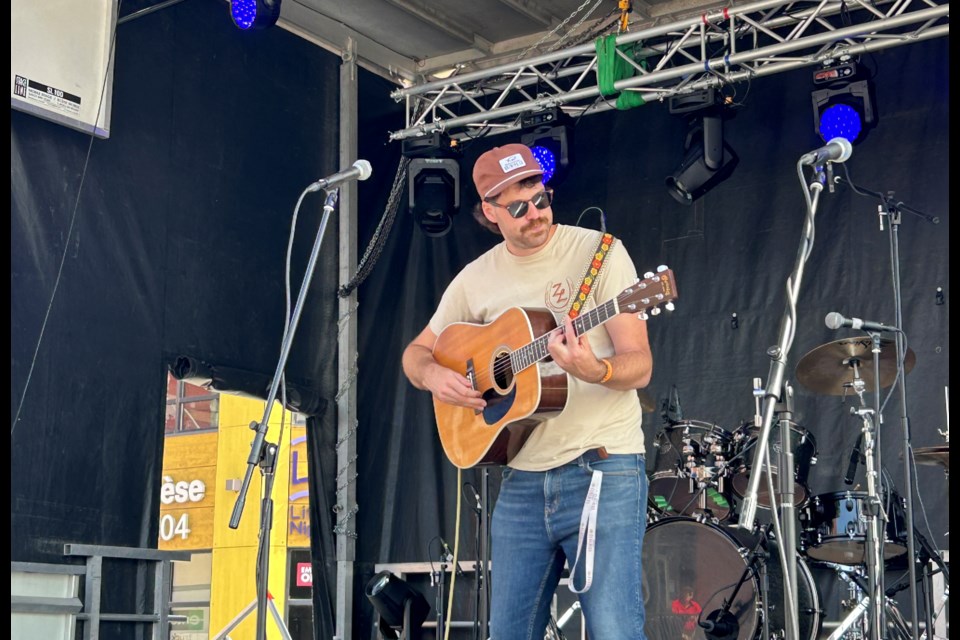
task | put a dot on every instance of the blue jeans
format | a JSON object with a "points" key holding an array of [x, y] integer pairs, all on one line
{"points": [[536, 522]]}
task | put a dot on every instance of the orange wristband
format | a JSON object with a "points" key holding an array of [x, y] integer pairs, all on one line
{"points": [[609, 373]]}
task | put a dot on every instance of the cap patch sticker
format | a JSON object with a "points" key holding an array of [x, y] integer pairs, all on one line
{"points": [[510, 163]]}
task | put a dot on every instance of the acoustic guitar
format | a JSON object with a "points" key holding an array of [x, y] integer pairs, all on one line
{"points": [[508, 361]]}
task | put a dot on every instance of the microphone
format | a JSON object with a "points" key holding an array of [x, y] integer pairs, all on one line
{"points": [[676, 413], [834, 320], [854, 461], [723, 624], [449, 554], [837, 150], [476, 496], [359, 170]]}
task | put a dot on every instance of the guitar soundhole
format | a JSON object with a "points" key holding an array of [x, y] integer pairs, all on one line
{"points": [[502, 371]]}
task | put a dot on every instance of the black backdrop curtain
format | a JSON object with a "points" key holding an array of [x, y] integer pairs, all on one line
{"points": [[177, 248], [732, 252]]}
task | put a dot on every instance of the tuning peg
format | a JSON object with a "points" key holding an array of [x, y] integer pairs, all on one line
{"points": [[648, 274], [669, 306], [643, 315], [655, 311], [662, 268]]}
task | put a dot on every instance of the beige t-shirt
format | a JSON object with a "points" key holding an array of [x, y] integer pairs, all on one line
{"points": [[595, 415]]}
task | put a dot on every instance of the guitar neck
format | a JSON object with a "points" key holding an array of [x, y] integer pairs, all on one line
{"points": [[534, 352]]}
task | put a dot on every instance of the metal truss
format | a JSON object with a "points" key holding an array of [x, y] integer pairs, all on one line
{"points": [[712, 50]]}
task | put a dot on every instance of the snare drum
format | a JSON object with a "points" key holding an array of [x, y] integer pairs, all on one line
{"points": [[688, 472], [802, 445], [834, 527]]}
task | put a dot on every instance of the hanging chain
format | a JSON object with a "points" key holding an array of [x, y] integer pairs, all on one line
{"points": [[372, 254], [556, 29]]}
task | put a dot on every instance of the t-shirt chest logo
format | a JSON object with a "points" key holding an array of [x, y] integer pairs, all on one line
{"points": [[557, 295]]}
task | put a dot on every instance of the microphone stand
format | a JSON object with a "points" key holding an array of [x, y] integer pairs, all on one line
{"points": [[775, 386], [263, 453], [483, 581], [481, 573], [437, 578], [892, 210], [787, 506]]}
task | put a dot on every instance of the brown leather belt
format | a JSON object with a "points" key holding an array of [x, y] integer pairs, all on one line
{"points": [[592, 455]]}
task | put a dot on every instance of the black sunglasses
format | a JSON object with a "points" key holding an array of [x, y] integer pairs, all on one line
{"points": [[518, 208]]}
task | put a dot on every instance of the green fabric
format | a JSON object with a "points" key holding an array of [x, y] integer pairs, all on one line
{"points": [[629, 100], [611, 67]]}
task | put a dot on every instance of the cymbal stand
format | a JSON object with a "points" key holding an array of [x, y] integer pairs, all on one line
{"points": [[872, 548], [775, 386]]}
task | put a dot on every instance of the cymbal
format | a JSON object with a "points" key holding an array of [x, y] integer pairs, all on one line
{"points": [[646, 401], [933, 455], [829, 368]]}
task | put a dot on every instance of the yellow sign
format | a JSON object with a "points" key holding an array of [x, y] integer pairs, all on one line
{"points": [[298, 511], [187, 492]]}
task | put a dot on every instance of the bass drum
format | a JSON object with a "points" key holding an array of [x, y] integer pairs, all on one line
{"points": [[684, 557]]}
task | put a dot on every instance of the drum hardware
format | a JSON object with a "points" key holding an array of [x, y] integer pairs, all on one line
{"points": [[711, 467], [688, 473], [858, 605], [554, 627]]}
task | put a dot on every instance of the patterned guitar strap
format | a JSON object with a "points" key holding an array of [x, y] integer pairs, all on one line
{"points": [[591, 274], [588, 518]]}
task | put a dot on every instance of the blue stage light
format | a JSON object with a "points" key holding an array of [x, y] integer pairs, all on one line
{"points": [[549, 134], [844, 109], [254, 14], [840, 121], [547, 160]]}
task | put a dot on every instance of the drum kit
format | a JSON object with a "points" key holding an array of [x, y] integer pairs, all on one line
{"points": [[698, 472]]}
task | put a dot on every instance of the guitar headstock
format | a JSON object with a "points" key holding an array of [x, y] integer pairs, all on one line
{"points": [[646, 296]]}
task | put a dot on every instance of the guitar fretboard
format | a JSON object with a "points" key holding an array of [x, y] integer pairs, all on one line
{"points": [[537, 350]]}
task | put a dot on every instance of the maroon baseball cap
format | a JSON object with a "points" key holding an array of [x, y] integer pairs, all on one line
{"points": [[503, 166]]}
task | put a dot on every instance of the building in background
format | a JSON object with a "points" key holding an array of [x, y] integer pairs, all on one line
{"points": [[207, 445]]}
